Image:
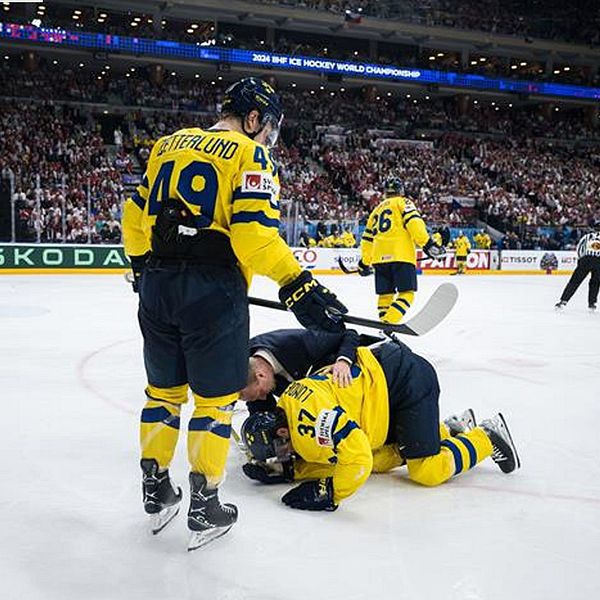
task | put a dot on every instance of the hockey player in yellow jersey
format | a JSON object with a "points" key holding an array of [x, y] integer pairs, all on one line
{"points": [[206, 217], [482, 240], [393, 229], [336, 436], [462, 247], [347, 239]]}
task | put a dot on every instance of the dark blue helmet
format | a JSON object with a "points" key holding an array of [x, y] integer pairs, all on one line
{"points": [[250, 94], [259, 433], [394, 185]]}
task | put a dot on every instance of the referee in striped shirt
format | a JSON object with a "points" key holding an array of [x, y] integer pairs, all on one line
{"points": [[588, 255]]}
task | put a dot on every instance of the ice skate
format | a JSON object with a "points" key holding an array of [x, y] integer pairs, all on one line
{"points": [[505, 453], [461, 423], [592, 307], [161, 500], [560, 305], [208, 519]]}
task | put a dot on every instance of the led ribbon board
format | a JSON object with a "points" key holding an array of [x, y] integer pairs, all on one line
{"points": [[181, 50]]}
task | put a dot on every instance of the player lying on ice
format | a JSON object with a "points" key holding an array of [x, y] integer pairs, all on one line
{"points": [[388, 415]]}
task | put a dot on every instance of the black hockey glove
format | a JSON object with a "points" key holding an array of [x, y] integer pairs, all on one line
{"points": [[314, 306], [138, 263], [312, 495], [364, 270], [261, 472], [433, 251]]}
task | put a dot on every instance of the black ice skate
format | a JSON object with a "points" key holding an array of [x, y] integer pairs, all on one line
{"points": [[161, 500], [208, 519], [592, 306], [560, 305], [461, 423], [505, 453]]}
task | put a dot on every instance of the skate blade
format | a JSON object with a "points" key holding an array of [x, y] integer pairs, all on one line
{"points": [[198, 539], [160, 520]]}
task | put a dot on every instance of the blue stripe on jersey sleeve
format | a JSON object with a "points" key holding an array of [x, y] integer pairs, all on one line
{"points": [[239, 195], [413, 216], [254, 217], [344, 432], [138, 200]]}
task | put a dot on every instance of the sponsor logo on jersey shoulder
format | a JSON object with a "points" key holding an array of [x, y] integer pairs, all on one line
{"points": [[324, 428], [259, 181]]}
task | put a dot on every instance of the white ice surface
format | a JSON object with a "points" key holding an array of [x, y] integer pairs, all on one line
{"points": [[71, 522]]}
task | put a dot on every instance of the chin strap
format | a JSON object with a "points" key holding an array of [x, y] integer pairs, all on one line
{"points": [[248, 133]]}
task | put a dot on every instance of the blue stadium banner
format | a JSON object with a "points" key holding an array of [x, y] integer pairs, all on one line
{"points": [[180, 50]]}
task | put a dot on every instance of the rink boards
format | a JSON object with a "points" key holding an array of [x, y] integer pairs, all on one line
{"points": [[107, 258]]}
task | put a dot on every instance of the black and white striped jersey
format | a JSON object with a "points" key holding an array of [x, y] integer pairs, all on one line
{"points": [[589, 245]]}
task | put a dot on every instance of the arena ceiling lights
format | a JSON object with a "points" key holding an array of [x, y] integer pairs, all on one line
{"points": [[261, 59]]}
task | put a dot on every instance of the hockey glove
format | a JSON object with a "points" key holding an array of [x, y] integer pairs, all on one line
{"points": [[312, 495], [138, 263], [259, 471], [314, 306], [433, 251], [364, 270]]}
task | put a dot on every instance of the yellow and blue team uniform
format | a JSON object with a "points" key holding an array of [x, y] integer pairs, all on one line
{"points": [[462, 247], [222, 190], [387, 415], [482, 240], [388, 244], [347, 240]]}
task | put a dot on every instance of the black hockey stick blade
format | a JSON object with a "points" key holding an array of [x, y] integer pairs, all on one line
{"points": [[432, 314], [344, 268]]}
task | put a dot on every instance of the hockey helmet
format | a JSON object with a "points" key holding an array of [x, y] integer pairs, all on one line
{"points": [[259, 434], [394, 185], [250, 94]]}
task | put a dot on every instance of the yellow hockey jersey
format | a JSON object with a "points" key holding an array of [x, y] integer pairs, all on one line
{"points": [[462, 245], [483, 241], [337, 427], [229, 183], [393, 228]]}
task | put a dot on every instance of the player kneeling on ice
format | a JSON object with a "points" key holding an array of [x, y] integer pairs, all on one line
{"points": [[388, 416]]}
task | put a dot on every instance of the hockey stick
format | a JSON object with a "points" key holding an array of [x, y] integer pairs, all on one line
{"points": [[344, 268], [431, 315], [240, 444], [348, 271]]}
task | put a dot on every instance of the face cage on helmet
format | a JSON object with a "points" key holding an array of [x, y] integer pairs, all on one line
{"points": [[282, 448]]}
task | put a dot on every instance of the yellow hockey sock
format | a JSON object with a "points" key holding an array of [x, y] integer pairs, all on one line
{"points": [[209, 430], [457, 455], [383, 304], [468, 449], [399, 306], [159, 423]]}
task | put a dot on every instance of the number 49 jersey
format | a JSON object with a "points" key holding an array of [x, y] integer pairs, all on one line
{"points": [[330, 425], [393, 228], [229, 184]]}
